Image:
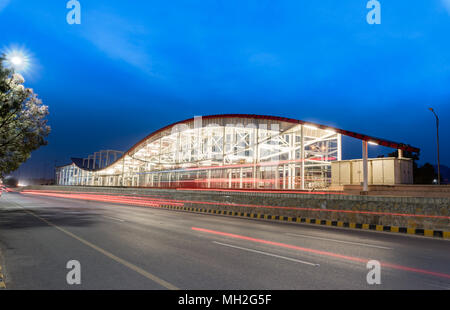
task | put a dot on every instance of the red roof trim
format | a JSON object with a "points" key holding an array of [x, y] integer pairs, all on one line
{"points": [[383, 142]]}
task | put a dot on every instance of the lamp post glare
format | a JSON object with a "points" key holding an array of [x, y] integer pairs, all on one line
{"points": [[18, 59], [437, 134]]}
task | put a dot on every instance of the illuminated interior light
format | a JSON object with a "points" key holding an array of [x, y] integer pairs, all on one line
{"points": [[310, 127]]}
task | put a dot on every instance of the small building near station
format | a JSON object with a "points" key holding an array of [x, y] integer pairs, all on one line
{"points": [[381, 171]]}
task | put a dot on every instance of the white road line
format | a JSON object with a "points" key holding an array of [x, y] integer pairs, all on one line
{"points": [[341, 241], [437, 285], [114, 218], [268, 254]]}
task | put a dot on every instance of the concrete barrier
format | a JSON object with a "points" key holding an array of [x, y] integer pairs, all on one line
{"points": [[416, 190], [419, 215]]}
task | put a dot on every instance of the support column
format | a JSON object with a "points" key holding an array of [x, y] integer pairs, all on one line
{"points": [[302, 158], [277, 176], [339, 146], [107, 158], [123, 171], [365, 166], [256, 157], [289, 176], [240, 177], [94, 166], [291, 165]]}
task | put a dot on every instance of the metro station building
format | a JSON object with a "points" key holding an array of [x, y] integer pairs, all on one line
{"points": [[236, 151]]}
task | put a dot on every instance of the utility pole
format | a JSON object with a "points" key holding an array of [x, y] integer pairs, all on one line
{"points": [[365, 155], [437, 134], [54, 173]]}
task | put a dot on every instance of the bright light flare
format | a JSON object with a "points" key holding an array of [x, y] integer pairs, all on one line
{"points": [[310, 127], [18, 59]]}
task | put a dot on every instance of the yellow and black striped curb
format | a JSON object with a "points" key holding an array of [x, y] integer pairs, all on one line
{"points": [[385, 228], [2, 279]]}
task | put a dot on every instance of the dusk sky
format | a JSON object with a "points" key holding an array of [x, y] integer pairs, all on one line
{"points": [[132, 67]]}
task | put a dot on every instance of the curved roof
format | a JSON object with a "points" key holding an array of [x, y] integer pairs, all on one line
{"points": [[379, 141]]}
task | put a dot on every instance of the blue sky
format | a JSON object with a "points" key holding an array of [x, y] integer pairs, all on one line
{"points": [[132, 67]]}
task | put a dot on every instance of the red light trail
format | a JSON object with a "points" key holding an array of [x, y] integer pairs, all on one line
{"points": [[262, 164], [270, 191], [319, 252], [139, 201], [158, 202]]}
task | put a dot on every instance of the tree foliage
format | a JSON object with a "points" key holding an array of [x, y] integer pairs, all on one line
{"points": [[23, 123], [10, 182], [425, 174], [422, 175]]}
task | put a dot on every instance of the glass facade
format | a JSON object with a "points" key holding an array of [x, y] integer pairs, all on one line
{"points": [[248, 152]]}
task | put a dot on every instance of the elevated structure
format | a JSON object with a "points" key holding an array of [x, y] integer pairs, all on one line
{"points": [[224, 151]]}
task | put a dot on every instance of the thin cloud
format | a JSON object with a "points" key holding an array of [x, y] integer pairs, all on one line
{"points": [[119, 39], [446, 4], [4, 4]]}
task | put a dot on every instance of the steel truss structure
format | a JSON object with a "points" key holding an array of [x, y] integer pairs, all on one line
{"points": [[223, 151]]}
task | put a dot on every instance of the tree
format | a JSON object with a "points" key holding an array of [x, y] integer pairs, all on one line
{"points": [[23, 127], [10, 182], [425, 174], [422, 175]]}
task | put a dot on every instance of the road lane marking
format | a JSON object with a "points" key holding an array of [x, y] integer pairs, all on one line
{"points": [[131, 266], [268, 254], [437, 285], [340, 241], [114, 218], [322, 253], [441, 286], [2, 279]]}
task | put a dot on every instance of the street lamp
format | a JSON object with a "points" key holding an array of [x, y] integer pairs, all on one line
{"points": [[437, 133], [18, 59]]}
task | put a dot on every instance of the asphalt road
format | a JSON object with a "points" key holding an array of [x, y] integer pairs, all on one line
{"points": [[130, 247]]}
